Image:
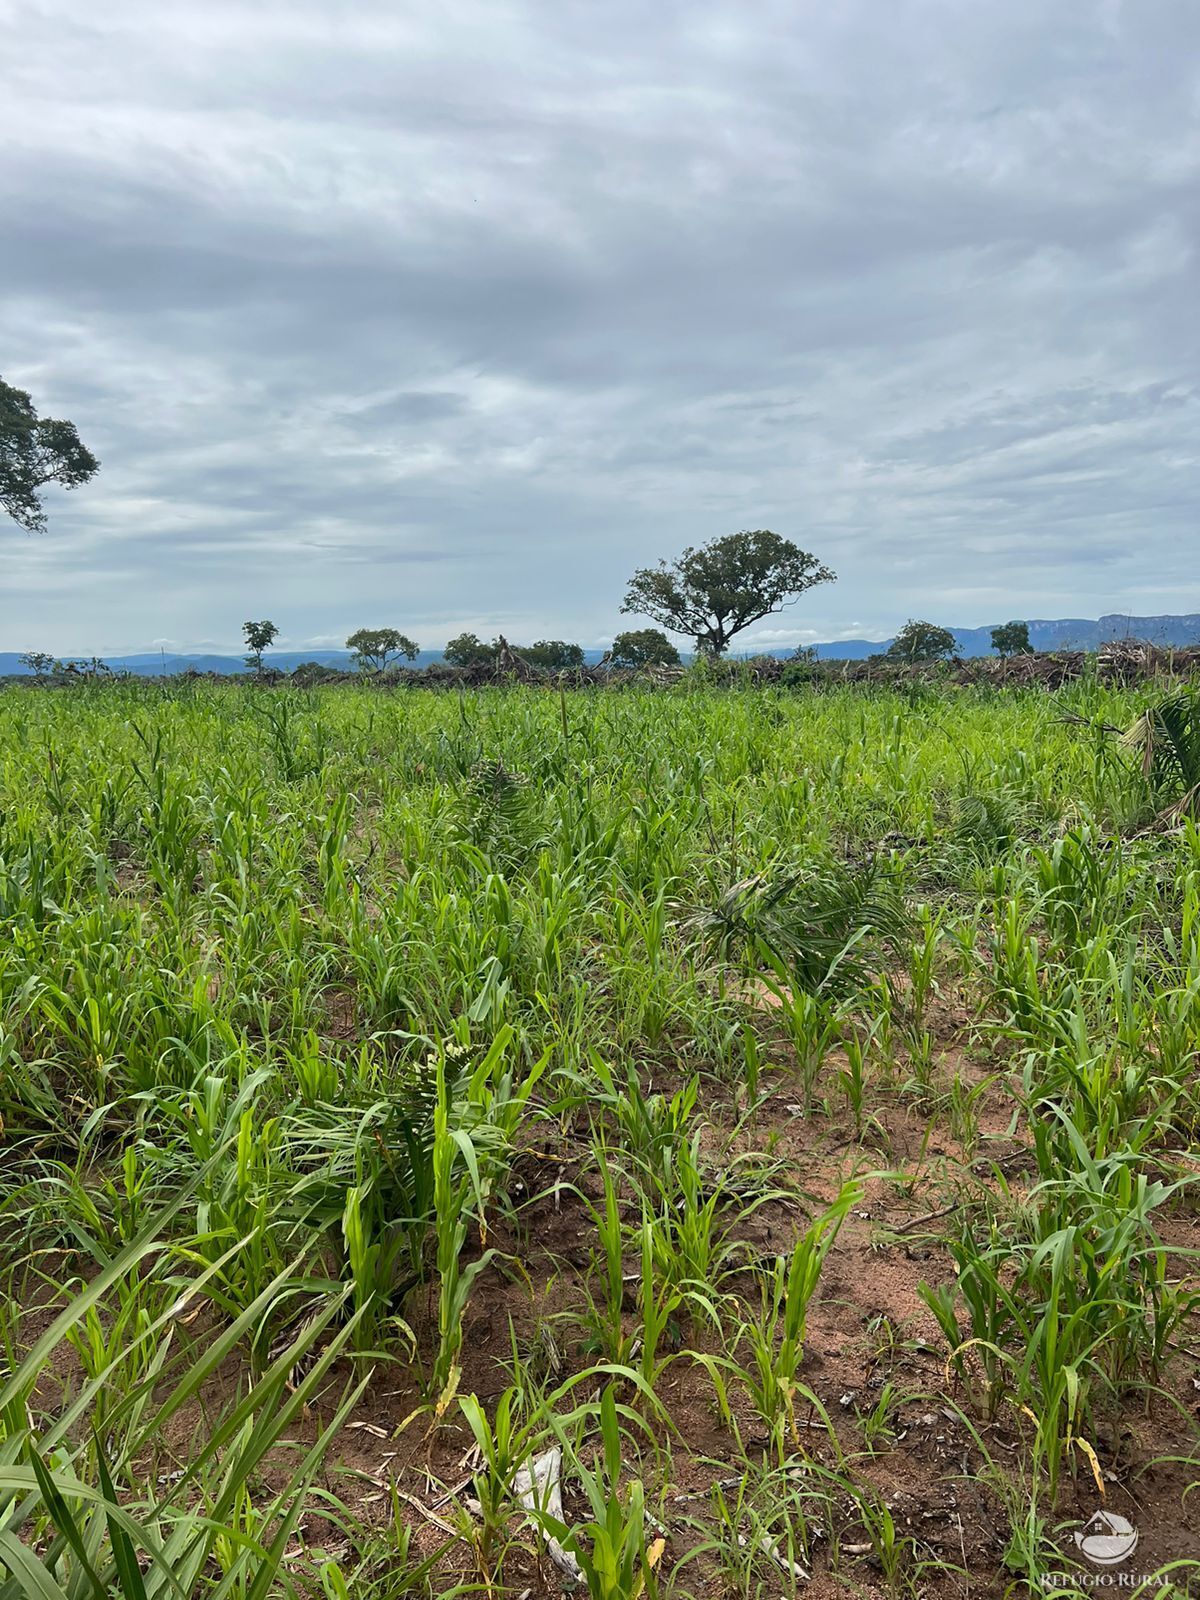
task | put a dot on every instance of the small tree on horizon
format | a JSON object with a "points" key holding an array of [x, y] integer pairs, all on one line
{"points": [[1012, 639], [552, 655], [644, 647], [922, 641], [714, 591], [35, 451], [39, 662], [375, 647], [259, 636], [83, 667], [307, 673]]}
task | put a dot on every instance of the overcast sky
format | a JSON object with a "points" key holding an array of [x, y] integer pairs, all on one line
{"points": [[448, 315]]}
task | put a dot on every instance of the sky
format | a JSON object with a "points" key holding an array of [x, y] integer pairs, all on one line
{"points": [[450, 315]]}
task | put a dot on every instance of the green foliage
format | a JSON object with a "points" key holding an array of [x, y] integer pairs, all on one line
{"points": [[1072, 1303], [986, 824], [714, 591], [35, 451], [1012, 639], [775, 1338], [499, 813], [38, 662], [801, 667], [78, 1512], [457, 1187], [921, 641], [310, 1001], [375, 647], [1165, 738], [309, 673], [612, 1546], [644, 647], [259, 637], [553, 655], [818, 927], [549, 655], [468, 650]]}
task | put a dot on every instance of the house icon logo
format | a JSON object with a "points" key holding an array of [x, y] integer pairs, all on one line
{"points": [[1107, 1539]]}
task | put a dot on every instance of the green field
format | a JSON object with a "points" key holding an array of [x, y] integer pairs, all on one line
{"points": [[781, 1104]]}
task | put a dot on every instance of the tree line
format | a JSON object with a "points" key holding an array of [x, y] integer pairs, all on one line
{"points": [[374, 650], [709, 594]]}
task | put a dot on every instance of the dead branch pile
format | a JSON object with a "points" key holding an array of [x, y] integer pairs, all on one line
{"points": [[1117, 661], [1127, 660]]}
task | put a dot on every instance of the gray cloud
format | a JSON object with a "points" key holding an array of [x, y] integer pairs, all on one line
{"points": [[450, 316]]}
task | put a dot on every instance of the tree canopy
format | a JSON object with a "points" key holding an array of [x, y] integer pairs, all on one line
{"points": [[644, 647], [308, 673], [259, 637], [922, 641], [375, 647], [714, 591], [552, 655], [468, 650], [35, 451], [1012, 639]]}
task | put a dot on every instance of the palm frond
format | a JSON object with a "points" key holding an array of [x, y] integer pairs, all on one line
{"points": [[1166, 741], [821, 924]]}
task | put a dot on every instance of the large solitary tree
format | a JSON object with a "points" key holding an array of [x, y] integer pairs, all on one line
{"points": [[375, 647], [715, 591], [35, 451]]}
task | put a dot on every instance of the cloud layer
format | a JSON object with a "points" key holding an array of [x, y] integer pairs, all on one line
{"points": [[449, 316]]}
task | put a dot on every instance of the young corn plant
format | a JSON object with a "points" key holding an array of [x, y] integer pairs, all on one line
{"points": [[894, 1551], [922, 961], [775, 1338], [993, 1316], [652, 1127], [78, 1517], [374, 1264], [456, 1187], [692, 1237], [606, 1316], [763, 1527], [852, 1078], [614, 1547], [504, 1447], [658, 1305]]}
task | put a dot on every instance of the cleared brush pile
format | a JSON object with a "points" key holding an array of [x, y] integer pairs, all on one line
{"points": [[679, 1142], [1125, 661]]}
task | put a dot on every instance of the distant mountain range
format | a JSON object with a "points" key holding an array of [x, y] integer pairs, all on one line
{"points": [[1067, 633]]}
